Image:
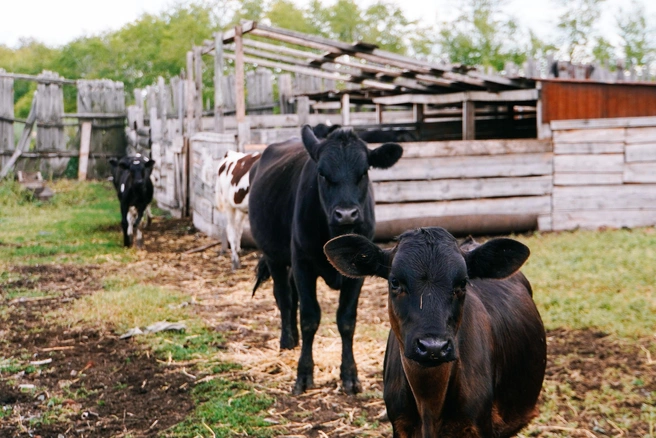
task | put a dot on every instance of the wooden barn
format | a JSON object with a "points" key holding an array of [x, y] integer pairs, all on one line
{"points": [[487, 153]]}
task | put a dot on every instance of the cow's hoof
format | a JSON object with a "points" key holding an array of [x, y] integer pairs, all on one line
{"points": [[352, 386], [288, 342], [303, 383], [140, 244], [236, 265]]}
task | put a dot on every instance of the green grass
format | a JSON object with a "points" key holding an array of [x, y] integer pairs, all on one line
{"points": [[80, 224], [228, 409], [595, 279]]}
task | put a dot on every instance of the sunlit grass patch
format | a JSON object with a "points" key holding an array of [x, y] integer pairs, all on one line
{"points": [[595, 279], [79, 224], [121, 308]]}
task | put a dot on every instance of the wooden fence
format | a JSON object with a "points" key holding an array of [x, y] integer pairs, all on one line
{"points": [[484, 186], [58, 139], [604, 174]]}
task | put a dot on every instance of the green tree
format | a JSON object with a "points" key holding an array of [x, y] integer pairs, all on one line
{"points": [[481, 36], [638, 39], [577, 26], [386, 25], [345, 21], [285, 14]]}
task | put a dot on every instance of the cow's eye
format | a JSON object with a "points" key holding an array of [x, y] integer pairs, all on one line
{"points": [[394, 284], [461, 286], [324, 178], [362, 177]]}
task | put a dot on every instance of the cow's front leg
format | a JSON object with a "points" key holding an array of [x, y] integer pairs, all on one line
{"points": [[231, 230], [346, 316], [125, 226], [138, 224], [306, 286]]}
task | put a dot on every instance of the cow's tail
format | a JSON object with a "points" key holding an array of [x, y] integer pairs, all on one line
{"points": [[262, 274]]}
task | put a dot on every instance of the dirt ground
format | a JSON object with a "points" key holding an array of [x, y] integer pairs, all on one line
{"points": [[129, 393]]}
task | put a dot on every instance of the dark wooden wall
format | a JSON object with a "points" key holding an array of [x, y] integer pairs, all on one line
{"points": [[567, 100]]}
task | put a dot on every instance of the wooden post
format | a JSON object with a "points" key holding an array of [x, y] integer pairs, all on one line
{"points": [[285, 93], [85, 145], [198, 101], [303, 110], [240, 98], [379, 114], [6, 116], [418, 112], [218, 83], [24, 141], [50, 135], [243, 128], [346, 110], [468, 120], [190, 88]]}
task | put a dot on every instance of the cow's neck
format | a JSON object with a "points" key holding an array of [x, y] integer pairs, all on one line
{"points": [[429, 387]]}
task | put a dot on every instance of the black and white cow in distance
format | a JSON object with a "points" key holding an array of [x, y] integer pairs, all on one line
{"points": [[232, 186], [303, 193], [131, 177]]}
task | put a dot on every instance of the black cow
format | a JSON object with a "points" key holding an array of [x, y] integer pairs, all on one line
{"points": [[131, 176], [467, 351], [303, 193]]}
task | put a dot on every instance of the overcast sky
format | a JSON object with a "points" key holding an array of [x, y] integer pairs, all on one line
{"points": [[57, 22]]}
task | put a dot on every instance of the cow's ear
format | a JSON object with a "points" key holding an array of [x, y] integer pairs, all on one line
{"points": [[123, 165], [496, 258], [385, 156], [149, 164], [356, 256], [310, 141], [113, 162]]}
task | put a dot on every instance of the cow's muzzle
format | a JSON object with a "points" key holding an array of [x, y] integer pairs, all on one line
{"points": [[346, 216], [430, 351]]}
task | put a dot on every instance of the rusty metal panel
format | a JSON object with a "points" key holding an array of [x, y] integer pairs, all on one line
{"points": [[567, 100]]}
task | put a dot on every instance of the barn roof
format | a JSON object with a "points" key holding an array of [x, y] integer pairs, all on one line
{"points": [[377, 72]]}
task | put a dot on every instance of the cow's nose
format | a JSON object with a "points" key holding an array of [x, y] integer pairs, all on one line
{"points": [[346, 216], [435, 349]]}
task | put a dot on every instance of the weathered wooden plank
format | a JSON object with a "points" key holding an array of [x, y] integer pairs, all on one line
{"points": [[25, 138], [451, 98], [468, 120], [517, 205], [640, 172], [446, 189], [545, 222], [618, 122], [640, 152], [591, 220], [608, 197], [218, 81], [466, 167], [240, 97], [346, 109], [641, 135], [7, 112], [609, 135], [587, 179], [589, 163], [588, 148], [426, 149], [85, 145]]}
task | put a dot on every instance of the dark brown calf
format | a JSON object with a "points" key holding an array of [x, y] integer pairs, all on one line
{"points": [[467, 351]]}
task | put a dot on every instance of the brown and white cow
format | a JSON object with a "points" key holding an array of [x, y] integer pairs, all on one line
{"points": [[467, 352], [232, 186]]}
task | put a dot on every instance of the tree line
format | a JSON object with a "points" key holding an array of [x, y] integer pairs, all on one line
{"points": [[483, 34]]}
